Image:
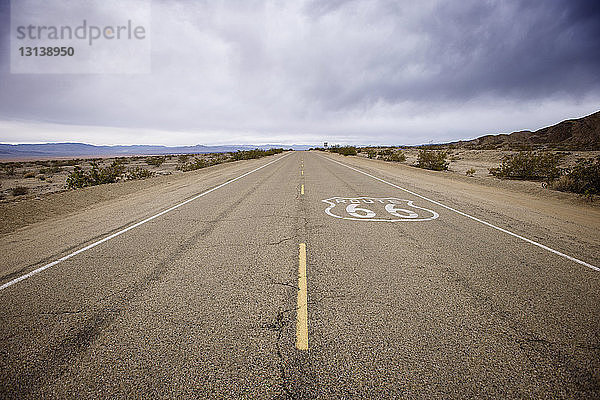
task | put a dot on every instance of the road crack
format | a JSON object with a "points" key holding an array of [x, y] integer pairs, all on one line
{"points": [[279, 242], [277, 325]]}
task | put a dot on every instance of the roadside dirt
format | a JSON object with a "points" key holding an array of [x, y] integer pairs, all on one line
{"points": [[45, 204], [40, 177]]}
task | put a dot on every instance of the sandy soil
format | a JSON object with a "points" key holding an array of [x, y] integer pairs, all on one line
{"points": [[49, 175], [50, 198]]}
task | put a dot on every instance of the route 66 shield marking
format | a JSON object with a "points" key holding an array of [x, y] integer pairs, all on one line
{"points": [[378, 209]]}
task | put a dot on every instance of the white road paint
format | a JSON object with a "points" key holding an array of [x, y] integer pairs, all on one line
{"points": [[114, 235], [471, 217], [386, 209]]}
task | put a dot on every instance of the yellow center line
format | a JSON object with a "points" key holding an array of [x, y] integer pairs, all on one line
{"points": [[302, 189], [302, 172], [302, 312]]}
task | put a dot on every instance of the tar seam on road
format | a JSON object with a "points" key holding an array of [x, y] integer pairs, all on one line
{"points": [[38, 270], [302, 309], [473, 218]]}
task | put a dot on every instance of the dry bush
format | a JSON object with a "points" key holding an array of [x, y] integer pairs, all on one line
{"points": [[138, 173], [583, 178], [529, 165], [344, 150], [19, 191], [432, 159]]}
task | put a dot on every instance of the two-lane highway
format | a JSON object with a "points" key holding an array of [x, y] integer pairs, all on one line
{"points": [[302, 275]]}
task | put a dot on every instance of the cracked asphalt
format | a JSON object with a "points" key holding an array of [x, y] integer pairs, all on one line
{"points": [[201, 301]]}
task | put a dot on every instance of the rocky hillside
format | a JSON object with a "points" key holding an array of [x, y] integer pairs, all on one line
{"points": [[572, 134]]}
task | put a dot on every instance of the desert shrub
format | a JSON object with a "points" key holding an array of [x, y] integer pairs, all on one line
{"points": [[138, 173], [523, 147], [156, 161], [123, 160], [470, 172], [184, 163], [583, 178], [64, 163], [371, 153], [8, 169], [432, 159], [256, 153], [19, 191], [100, 175], [77, 179], [42, 177], [97, 175], [344, 150], [193, 165], [29, 174], [397, 156], [11, 165], [50, 170], [528, 165]]}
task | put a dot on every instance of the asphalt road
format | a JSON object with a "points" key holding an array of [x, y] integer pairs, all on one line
{"points": [[260, 289]]}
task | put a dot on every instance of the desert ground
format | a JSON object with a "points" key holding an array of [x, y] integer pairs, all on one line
{"points": [[46, 176]]}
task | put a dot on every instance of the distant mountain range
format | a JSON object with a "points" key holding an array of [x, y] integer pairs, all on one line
{"points": [[573, 134], [50, 150]]}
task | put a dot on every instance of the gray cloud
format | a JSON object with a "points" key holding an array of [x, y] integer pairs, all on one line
{"points": [[354, 71]]}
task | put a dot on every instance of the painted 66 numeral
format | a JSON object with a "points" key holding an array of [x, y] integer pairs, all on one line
{"points": [[355, 211], [359, 212], [377, 209]]}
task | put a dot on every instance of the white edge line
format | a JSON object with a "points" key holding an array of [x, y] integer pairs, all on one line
{"points": [[53, 263], [473, 218]]}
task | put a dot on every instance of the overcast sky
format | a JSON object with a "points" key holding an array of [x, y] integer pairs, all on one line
{"points": [[304, 72]]}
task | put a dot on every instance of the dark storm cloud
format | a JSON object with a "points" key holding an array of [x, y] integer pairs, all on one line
{"points": [[355, 71], [528, 49], [464, 49]]}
